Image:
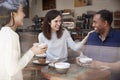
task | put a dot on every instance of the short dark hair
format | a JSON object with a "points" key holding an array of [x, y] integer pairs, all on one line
{"points": [[106, 15], [46, 28]]}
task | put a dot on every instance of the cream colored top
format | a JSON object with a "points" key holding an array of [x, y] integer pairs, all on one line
{"points": [[57, 48], [11, 63]]}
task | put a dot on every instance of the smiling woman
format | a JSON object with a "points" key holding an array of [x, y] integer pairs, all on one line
{"points": [[57, 37], [11, 62]]}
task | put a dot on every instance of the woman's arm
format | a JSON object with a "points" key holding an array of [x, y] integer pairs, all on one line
{"points": [[86, 37], [13, 61], [78, 46]]}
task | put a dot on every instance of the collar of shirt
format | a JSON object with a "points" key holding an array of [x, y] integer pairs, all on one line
{"points": [[112, 39]]}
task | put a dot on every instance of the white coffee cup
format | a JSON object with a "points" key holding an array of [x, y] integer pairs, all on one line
{"points": [[41, 58], [85, 60]]}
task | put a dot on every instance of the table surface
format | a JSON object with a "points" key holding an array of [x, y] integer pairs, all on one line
{"points": [[76, 73]]}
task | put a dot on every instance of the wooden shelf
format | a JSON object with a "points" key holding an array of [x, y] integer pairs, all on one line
{"points": [[116, 15]]}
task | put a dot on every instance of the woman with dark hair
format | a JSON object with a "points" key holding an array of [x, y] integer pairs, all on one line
{"points": [[57, 38], [11, 63]]}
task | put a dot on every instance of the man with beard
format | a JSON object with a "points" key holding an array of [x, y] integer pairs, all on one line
{"points": [[103, 45]]}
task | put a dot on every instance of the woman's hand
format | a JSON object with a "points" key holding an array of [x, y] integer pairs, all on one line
{"points": [[39, 49], [78, 62]]}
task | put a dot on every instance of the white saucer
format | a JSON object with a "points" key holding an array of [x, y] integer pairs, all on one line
{"points": [[37, 62]]}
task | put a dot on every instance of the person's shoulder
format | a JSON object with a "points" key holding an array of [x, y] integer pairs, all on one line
{"points": [[40, 34], [116, 32], [65, 30], [93, 33]]}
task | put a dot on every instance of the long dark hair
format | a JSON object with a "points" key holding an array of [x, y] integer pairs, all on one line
{"points": [[52, 14], [5, 16]]}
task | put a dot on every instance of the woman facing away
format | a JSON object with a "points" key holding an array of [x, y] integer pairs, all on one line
{"points": [[57, 38], [11, 62]]}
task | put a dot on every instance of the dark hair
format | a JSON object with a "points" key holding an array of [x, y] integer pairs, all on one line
{"points": [[5, 16], [106, 15], [52, 14]]}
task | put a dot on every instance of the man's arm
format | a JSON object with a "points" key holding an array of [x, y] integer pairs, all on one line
{"points": [[99, 64]]}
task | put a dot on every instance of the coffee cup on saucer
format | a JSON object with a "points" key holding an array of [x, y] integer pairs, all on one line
{"points": [[41, 58]]}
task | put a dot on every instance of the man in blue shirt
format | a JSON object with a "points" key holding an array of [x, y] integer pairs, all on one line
{"points": [[103, 45], [112, 38]]}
